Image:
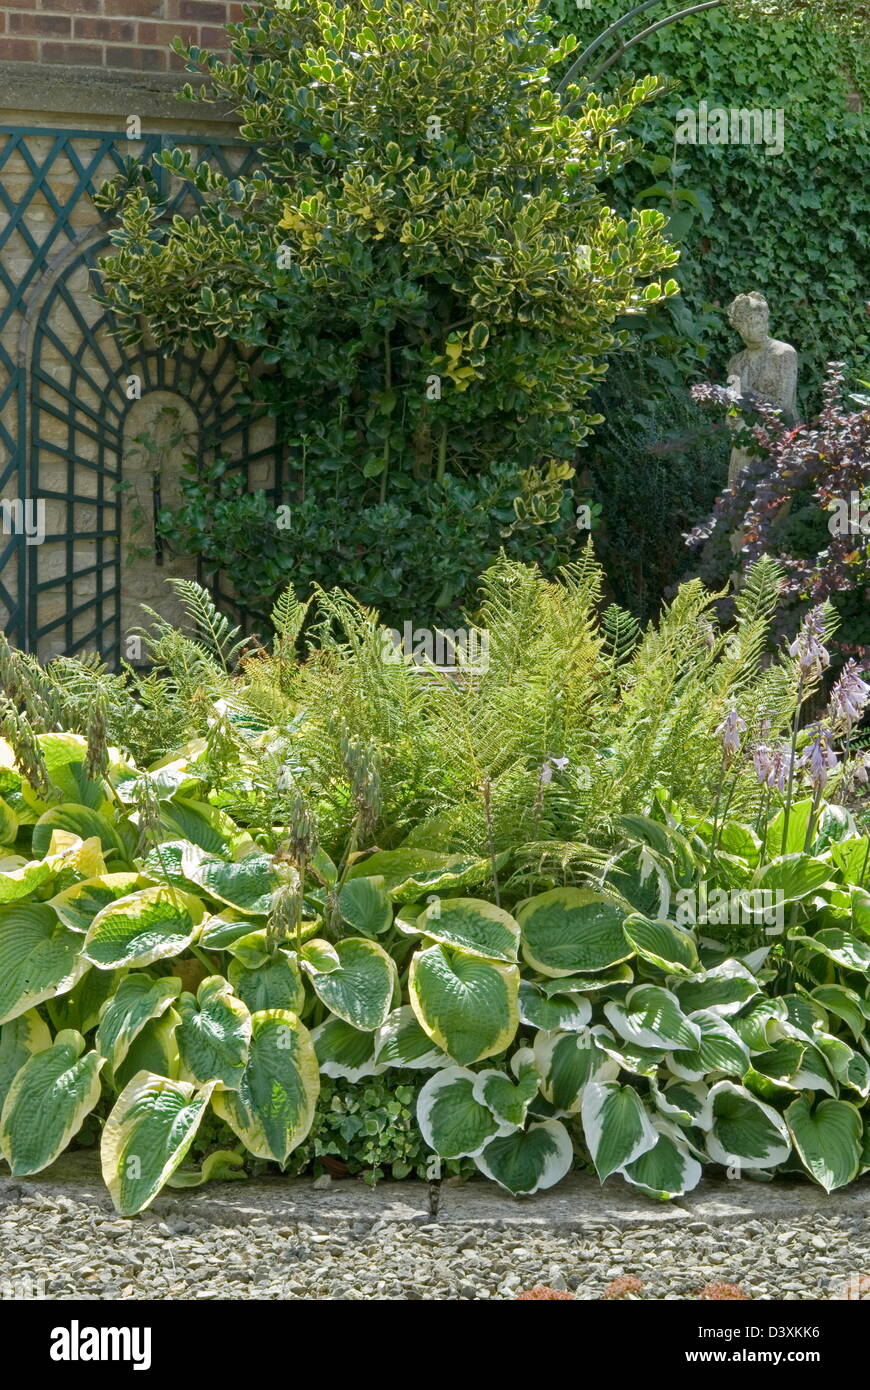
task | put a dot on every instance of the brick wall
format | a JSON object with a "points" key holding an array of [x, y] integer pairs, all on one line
{"points": [[119, 35]]}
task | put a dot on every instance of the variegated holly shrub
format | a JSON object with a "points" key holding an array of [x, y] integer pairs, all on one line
{"points": [[687, 986]]}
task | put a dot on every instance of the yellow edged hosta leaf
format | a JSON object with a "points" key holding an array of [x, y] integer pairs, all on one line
{"points": [[39, 957], [273, 1108], [48, 1102], [143, 927], [148, 1133]]}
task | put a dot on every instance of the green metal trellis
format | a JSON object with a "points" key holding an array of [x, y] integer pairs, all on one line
{"points": [[63, 370]]}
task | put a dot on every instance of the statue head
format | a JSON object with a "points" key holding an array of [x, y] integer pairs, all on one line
{"points": [[749, 315]]}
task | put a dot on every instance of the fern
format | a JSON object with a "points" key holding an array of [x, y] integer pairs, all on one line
{"points": [[221, 639]]}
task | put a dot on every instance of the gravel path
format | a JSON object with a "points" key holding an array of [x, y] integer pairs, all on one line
{"points": [[65, 1243]]}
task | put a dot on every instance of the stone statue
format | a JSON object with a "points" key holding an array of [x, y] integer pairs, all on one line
{"points": [[766, 367]]}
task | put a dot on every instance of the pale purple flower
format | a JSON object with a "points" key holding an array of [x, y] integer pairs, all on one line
{"points": [[849, 696], [729, 731], [549, 764], [811, 655], [819, 758], [861, 769], [772, 765]]}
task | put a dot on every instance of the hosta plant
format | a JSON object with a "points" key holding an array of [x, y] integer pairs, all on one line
{"points": [[158, 964]]}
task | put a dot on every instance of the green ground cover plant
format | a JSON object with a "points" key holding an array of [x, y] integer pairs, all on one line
{"points": [[601, 893]]}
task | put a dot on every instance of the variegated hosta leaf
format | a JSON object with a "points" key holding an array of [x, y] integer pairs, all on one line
{"points": [[452, 1120], [508, 1100], [361, 990], [345, 1051], [275, 985], [568, 1013], [247, 885], [153, 1049], [839, 946], [472, 925], [20, 1038], [684, 1102], [754, 1027], [843, 1003], [412, 873], [569, 931], [566, 1062], [73, 859], [214, 1034], [744, 1131], [365, 905], [401, 1042], [588, 984], [640, 1061], [145, 926], [528, 1160], [849, 1067], [80, 1008], [665, 1171], [78, 906], [8, 823], [273, 1109], [467, 1005], [82, 821], [724, 989], [662, 944], [828, 1140], [223, 1165], [253, 949], [651, 1017], [48, 1102], [20, 878], [39, 957], [721, 1049], [319, 956], [203, 825], [222, 930], [616, 1126], [137, 999], [149, 1131]]}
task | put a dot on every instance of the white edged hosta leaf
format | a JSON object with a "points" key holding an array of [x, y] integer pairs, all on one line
{"points": [[641, 1061], [365, 905], [472, 925], [276, 984], [665, 1171], [651, 1017], [566, 1062], [147, 925], [828, 1140], [588, 984], [20, 1038], [47, 1103], [508, 1099], [616, 1126], [214, 1034], [452, 1120], [839, 946], [344, 1051], [39, 957], [137, 999], [745, 1132], [662, 944], [847, 1066], [571, 931], [273, 1108], [720, 1050], [319, 956], [683, 1102], [467, 1005], [843, 1003], [78, 905], [529, 1160], [401, 1042], [150, 1129], [361, 990], [551, 1012], [724, 989]]}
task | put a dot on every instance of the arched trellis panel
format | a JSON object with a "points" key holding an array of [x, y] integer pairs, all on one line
{"points": [[64, 397]]}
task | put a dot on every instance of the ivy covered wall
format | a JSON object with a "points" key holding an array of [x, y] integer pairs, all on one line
{"points": [[793, 225]]}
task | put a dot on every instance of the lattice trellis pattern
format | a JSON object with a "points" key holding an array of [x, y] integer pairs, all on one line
{"points": [[63, 376]]}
